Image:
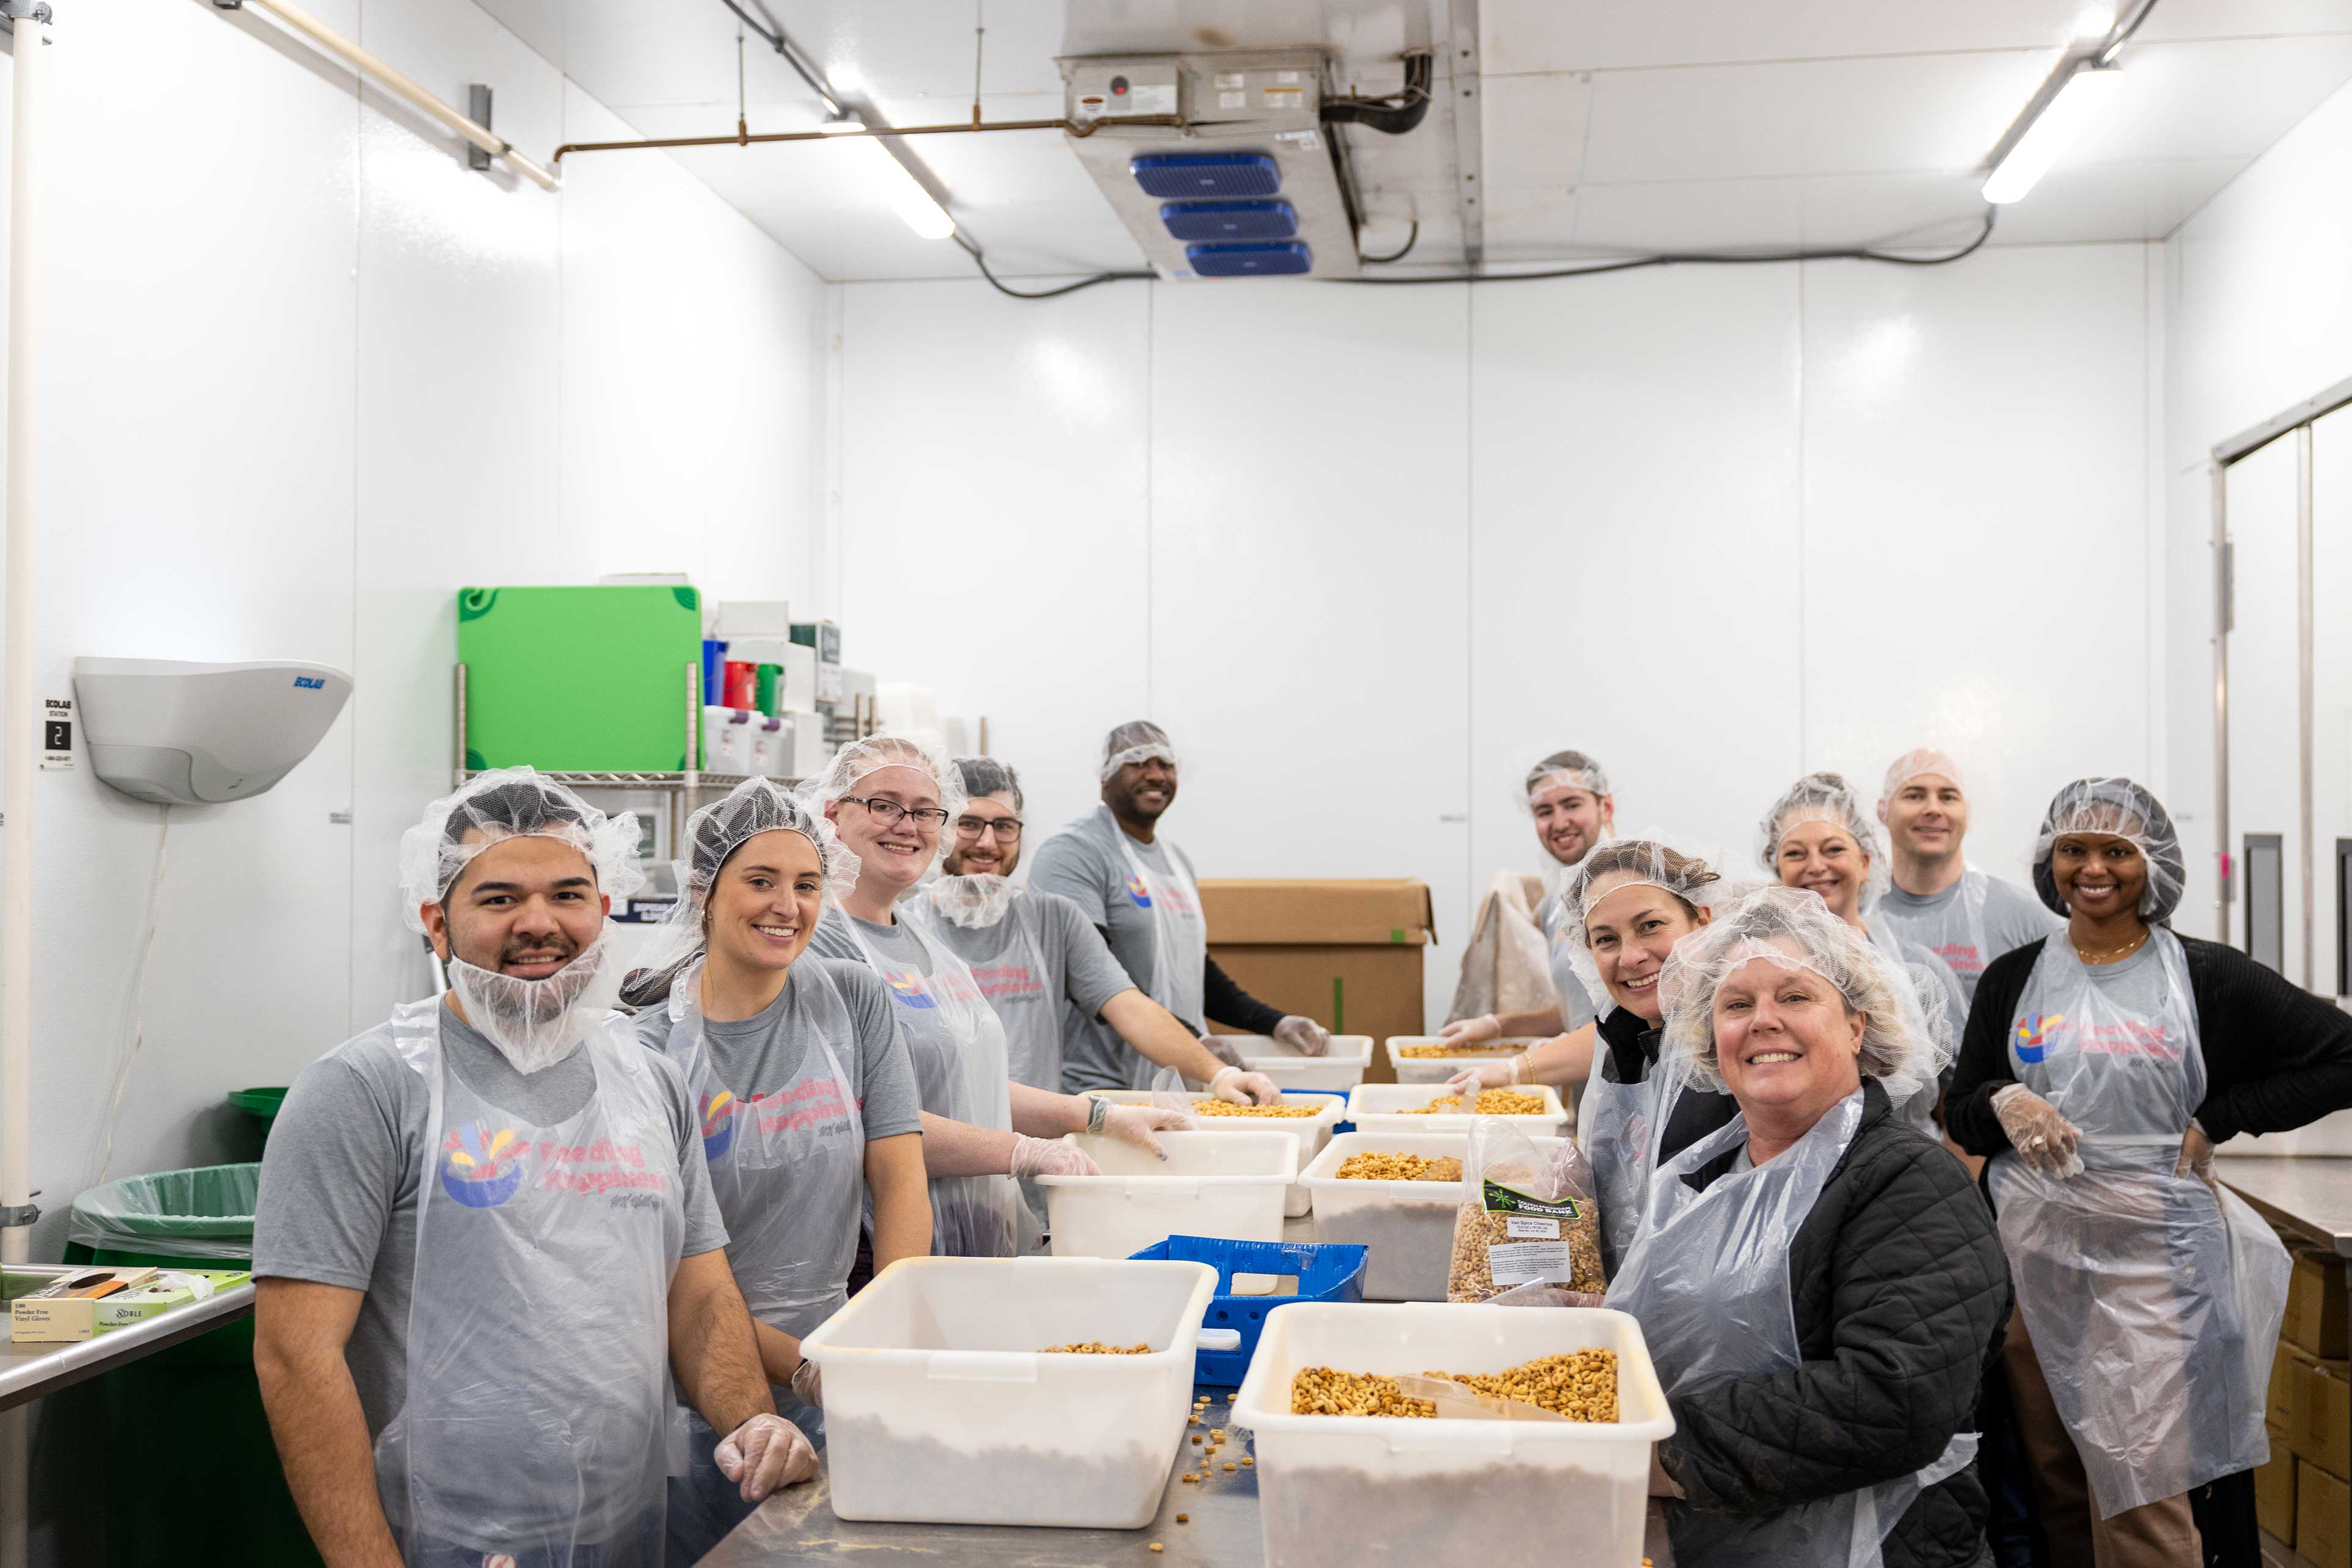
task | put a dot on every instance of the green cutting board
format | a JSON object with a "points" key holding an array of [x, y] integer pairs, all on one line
{"points": [[577, 679]]}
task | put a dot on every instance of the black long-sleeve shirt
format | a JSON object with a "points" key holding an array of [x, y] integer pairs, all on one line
{"points": [[2276, 1056], [1226, 1003]]}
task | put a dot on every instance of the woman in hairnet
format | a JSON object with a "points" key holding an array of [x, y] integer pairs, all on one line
{"points": [[807, 1096], [2100, 1067], [1622, 913], [1819, 835], [888, 797], [1818, 1283]]}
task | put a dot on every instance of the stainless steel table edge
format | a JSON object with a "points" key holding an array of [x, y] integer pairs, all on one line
{"points": [[30, 1372]]}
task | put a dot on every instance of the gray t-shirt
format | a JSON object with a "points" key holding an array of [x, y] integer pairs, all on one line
{"points": [[1969, 923], [1084, 863], [1895, 946], [1576, 1006], [339, 1179], [1077, 968], [764, 1053]]}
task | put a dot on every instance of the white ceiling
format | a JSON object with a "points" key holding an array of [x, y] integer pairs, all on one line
{"points": [[1606, 127]]}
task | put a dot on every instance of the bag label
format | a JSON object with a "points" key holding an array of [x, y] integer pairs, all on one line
{"points": [[1531, 1228], [1527, 1262], [1503, 1200]]}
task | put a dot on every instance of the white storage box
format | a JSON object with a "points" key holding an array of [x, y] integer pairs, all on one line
{"points": [[1336, 1071], [1230, 1185], [1388, 1108], [1437, 1069], [1312, 1131], [1408, 1226], [939, 1410], [1398, 1492]]}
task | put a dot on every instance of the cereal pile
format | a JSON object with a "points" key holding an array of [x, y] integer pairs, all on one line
{"points": [[1491, 1102], [1095, 1347], [1453, 1050], [1472, 1276], [1370, 1166], [1225, 1108], [1581, 1387]]}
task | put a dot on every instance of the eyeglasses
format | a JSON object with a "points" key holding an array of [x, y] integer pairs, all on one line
{"points": [[890, 813], [1007, 829]]}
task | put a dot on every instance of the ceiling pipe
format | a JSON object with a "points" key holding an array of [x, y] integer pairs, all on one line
{"points": [[739, 139]]}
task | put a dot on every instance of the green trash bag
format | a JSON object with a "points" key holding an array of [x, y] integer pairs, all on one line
{"points": [[203, 1213]]}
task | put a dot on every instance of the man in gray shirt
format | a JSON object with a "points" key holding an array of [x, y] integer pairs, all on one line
{"points": [[1141, 893], [1964, 917], [498, 1382]]}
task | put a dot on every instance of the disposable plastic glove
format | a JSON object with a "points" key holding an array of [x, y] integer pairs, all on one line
{"points": [[1305, 1036], [808, 1384], [764, 1453], [1238, 1088], [1489, 1075], [1135, 1124], [2044, 1139], [2196, 1155], [1484, 1029], [1223, 1047], [1049, 1157]]}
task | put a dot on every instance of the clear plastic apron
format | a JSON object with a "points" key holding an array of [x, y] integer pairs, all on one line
{"points": [[1919, 1110], [1033, 1048], [1180, 935], [788, 1167], [1619, 1125], [957, 1044], [1707, 1278], [537, 1418], [2154, 1304]]}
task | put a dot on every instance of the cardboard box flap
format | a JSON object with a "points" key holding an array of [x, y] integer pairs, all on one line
{"points": [[1366, 911]]}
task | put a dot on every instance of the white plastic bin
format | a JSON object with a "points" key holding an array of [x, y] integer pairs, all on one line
{"points": [[1397, 1492], [1336, 1071], [1388, 1108], [939, 1410], [1312, 1131], [1408, 1226], [1230, 1185], [1437, 1069]]}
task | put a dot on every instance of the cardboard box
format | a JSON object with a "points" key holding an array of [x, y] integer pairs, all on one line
{"points": [[2323, 1517], [2315, 1306], [2322, 1432], [1346, 953], [2275, 1491], [2286, 1379]]}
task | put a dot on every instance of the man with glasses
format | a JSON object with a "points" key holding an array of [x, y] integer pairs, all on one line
{"points": [[1040, 963], [1139, 891]]}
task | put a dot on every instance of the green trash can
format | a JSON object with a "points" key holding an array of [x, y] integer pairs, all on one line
{"points": [[205, 1388]]}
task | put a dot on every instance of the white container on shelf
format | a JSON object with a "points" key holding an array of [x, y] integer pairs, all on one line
{"points": [[1437, 1069], [1393, 1491], [1311, 1131], [939, 1410], [1388, 1108], [1336, 1071], [1229, 1184]]}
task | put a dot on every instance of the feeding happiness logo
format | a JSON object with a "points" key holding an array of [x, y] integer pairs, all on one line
{"points": [[1140, 895], [908, 985], [481, 1168], [2032, 1036], [718, 1124]]}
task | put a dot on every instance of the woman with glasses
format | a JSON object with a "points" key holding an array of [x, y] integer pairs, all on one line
{"points": [[889, 798], [1038, 960]]}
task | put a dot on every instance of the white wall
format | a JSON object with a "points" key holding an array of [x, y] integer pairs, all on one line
{"points": [[1368, 552], [303, 376]]}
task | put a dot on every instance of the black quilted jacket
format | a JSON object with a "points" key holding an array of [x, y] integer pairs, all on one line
{"points": [[1900, 1295]]}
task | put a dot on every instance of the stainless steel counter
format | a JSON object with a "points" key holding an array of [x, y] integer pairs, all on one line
{"points": [[27, 1371], [2308, 1195]]}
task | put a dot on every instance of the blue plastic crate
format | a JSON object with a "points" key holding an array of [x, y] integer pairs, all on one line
{"points": [[1280, 259], [1229, 220], [1203, 176], [1325, 1273]]}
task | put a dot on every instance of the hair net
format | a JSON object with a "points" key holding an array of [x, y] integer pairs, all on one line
{"points": [[511, 803], [854, 761], [1694, 878], [1827, 797], [1907, 1041], [1139, 739], [986, 775], [1571, 770], [1910, 765], [2121, 809]]}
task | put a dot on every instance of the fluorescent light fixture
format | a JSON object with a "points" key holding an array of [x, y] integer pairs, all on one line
{"points": [[2094, 22], [840, 123], [2051, 133], [894, 185]]}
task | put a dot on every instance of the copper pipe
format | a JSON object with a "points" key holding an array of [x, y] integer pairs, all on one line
{"points": [[739, 139]]}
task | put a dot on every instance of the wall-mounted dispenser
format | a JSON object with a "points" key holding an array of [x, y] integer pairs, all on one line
{"points": [[177, 733]]}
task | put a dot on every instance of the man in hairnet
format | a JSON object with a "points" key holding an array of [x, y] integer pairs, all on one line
{"points": [[1140, 891], [487, 1239], [1966, 917]]}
